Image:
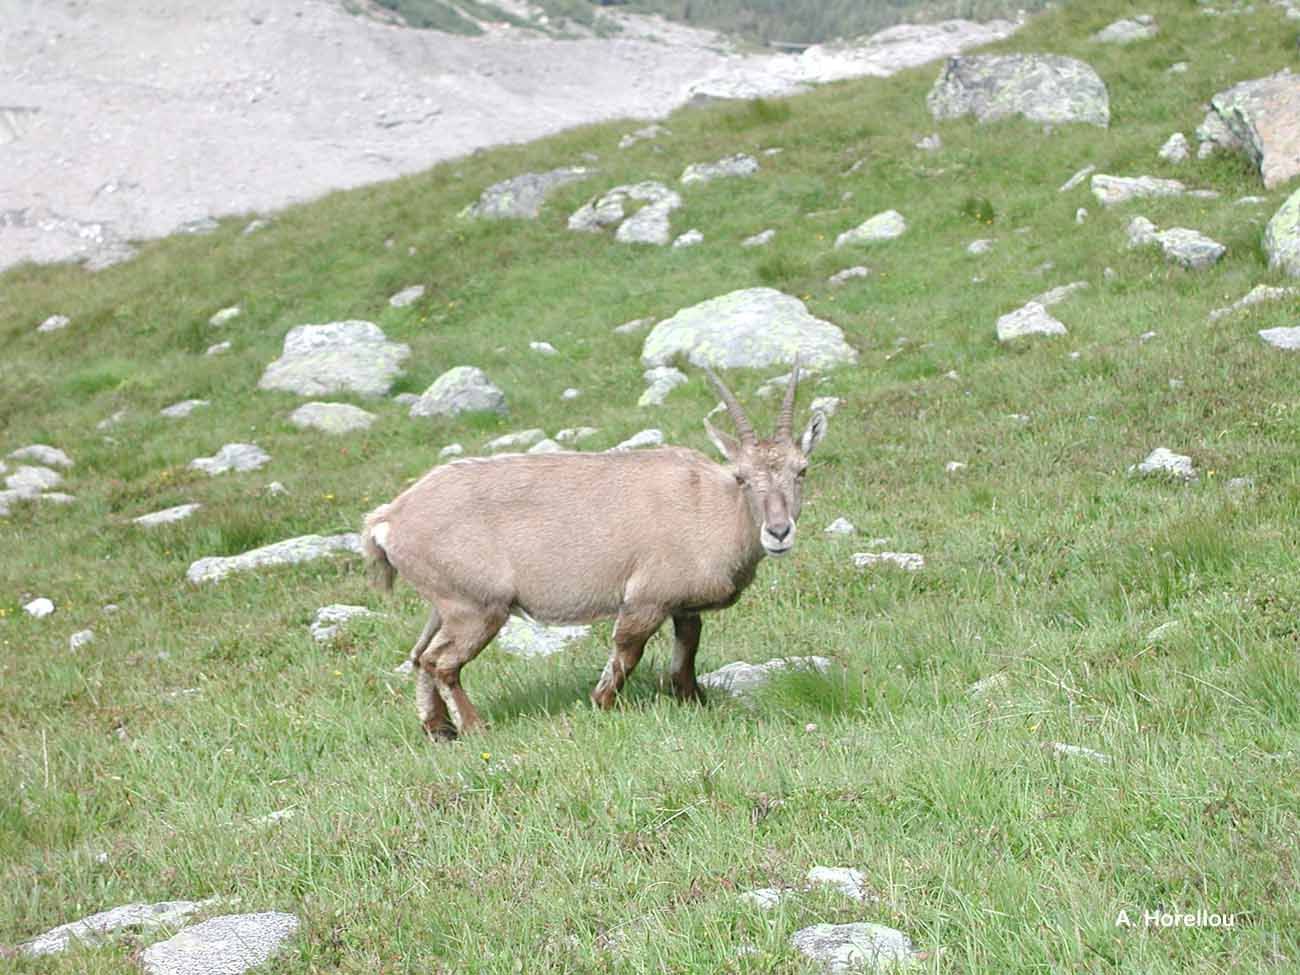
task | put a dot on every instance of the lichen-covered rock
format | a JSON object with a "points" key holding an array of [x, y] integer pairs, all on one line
{"points": [[1282, 237], [740, 678], [908, 561], [331, 417], [339, 357], [93, 929], [167, 516], [528, 638], [1110, 190], [328, 620], [849, 274], [660, 381], [1030, 319], [1256, 295], [883, 226], [860, 947], [29, 481], [288, 552], [43, 454], [1164, 461], [1175, 149], [1283, 337], [649, 225], [226, 945], [521, 198], [1190, 248], [1046, 88], [464, 389], [1262, 118], [1140, 28], [753, 328], [846, 880], [741, 164], [232, 457]]}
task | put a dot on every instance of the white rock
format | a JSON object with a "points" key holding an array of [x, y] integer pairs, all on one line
{"points": [[570, 393], [516, 441], [545, 348], [1165, 461], [634, 326], [331, 417], [232, 457], [689, 239], [338, 357], [332, 618], [640, 135], [225, 315], [528, 638], [225, 945], [645, 438], [575, 433], [847, 881], [451, 450], [1081, 215], [954, 466], [931, 143], [826, 404], [54, 323], [167, 515], [42, 454], [464, 389], [218, 349], [39, 608], [849, 274], [80, 639], [407, 296], [741, 678], [981, 246], [1031, 319], [290, 551], [275, 488], [29, 481], [740, 164], [660, 381], [1283, 337], [1077, 751], [547, 446], [759, 239], [1110, 190], [840, 526], [764, 898], [910, 561], [860, 947], [1058, 294], [184, 408], [883, 226], [1175, 149], [92, 930], [1256, 295]]}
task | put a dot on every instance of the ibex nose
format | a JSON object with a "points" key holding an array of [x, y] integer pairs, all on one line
{"points": [[779, 532]]}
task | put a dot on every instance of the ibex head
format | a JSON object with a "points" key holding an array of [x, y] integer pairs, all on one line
{"points": [[770, 471]]}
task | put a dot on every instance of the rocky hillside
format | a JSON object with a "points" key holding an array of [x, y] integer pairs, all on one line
{"points": [[1023, 698]]}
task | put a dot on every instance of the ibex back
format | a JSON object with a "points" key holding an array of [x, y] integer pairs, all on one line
{"points": [[572, 538]]}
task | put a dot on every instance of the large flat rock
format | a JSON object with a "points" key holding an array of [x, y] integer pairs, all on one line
{"points": [[1046, 88], [288, 552], [338, 357], [226, 945]]}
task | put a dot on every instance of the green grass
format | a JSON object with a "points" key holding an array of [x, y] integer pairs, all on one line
{"points": [[574, 841]]}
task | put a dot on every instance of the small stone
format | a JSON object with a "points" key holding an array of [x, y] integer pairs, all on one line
{"points": [[232, 457], [528, 638], [39, 608], [1147, 336], [337, 357], [224, 945], [909, 561], [464, 389], [225, 315], [571, 434], [28, 481], [93, 929], [111, 421], [451, 450], [981, 246], [407, 296], [954, 467], [1175, 149], [1031, 319], [253, 226], [1112, 190], [1178, 67], [54, 323], [183, 409], [44, 454], [218, 349], [764, 898], [689, 239], [759, 239], [641, 135], [634, 326], [1285, 337], [275, 489], [859, 947], [336, 418], [1162, 631], [328, 620], [1080, 215], [987, 685], [288, 552], [1240, 485], [1127, 31], [645, 438], [546, 446], [522, 197], [883, 226], [847, 881], [1058, 294], [545, 348], [570, 393], [849, 274], [1165, 461], [740, 678], [167, 516], [516, 441], [840, 526], [740, 164], [931, 143], [1077, 751], [80, 639]]}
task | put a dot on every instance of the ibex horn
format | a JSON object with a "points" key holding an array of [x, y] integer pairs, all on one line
{"points": [[743, 427], [785, 420]]}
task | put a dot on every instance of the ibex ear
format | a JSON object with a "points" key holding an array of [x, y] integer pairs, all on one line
{"points": [[812, 436], [728, 446]]}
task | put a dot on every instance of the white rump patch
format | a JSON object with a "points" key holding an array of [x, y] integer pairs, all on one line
{"points": [[379, 535]]}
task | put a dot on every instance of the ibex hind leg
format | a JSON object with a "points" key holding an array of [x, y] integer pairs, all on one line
{"points": [[464, 632], [428, 703], [631, 631]]}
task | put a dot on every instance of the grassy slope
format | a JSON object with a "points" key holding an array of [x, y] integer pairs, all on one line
{"points": [[567, 840]]}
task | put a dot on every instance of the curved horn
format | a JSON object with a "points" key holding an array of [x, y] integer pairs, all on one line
{"points": [[743, 427], [785, 420]]}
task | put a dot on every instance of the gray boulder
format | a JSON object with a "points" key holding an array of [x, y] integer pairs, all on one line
{"points": [[1261, 118], [528, 638], [1030, 319], [1190, 248], [28, 481], [168, 515], [304, 548], [741, 164], [1110, 190], [93, 929], [1282, 237], [521, 198], [752, 328], [226, 945], [660, 381], [331, 417], [43, 454], [232, 457], [741, 678], [883, 226], [1044, 88], [649, 225], [464, 389], [860, 947], [1287, 338], [339, 357], [1140, 28]]}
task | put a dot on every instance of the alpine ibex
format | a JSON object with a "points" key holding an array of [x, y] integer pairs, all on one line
{"points": [[572, 538]]}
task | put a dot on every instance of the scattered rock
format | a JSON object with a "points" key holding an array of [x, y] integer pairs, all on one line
{"points": [[225, 945], [81, 639], [1189, 248], [1111, 190], [219, 349], [1077, 178], [1259, 117], [1175, 149], [407, 296], [759, 239], [883, 226], [288, 552], [1045, 88], [764, 898], [39, 608], [1286, 338], [646, 438], [111, 421], [521, 198], [660, 381], [339, 357], [93, 929], [1282, 237], [753, 328], [253, 226], [1244, 485], [54, 323], [1076, 751], [840, 526], [847, 881], [642, 135], [545, 446], [689, 239], [225, 315], [29, 481], [44, 454], [575, 433], [330, 619], [570, 393], [464, 389], [1031, 319], [954, 467], [1141, 28], [168, 515], [232, 457], [1164, 461], [331, 417], [634, 326], [1080, 215], [931, 143], [528, 638], [451, 450], [849, 274], [1178, 67], [988, 685], [183, 409], [516, 441], [649, 225], [740, 678], [740, 164], [545, 348], [1058, 294], [825, 404], [844, 948], [909, 561]]}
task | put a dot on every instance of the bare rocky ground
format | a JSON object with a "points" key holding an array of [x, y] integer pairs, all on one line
{"points": [[123, 120]]}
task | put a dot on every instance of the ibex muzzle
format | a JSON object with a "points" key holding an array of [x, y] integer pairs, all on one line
{"points": [[640, 536]]}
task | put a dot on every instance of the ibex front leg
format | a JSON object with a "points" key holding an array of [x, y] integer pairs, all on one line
{"points": [[686, 640], [631, 631]]}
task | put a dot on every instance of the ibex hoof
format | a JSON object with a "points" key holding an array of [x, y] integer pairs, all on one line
{"points": [[440, 732]]}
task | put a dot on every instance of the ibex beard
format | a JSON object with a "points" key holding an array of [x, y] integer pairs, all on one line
{"points": [[565, 538]]}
